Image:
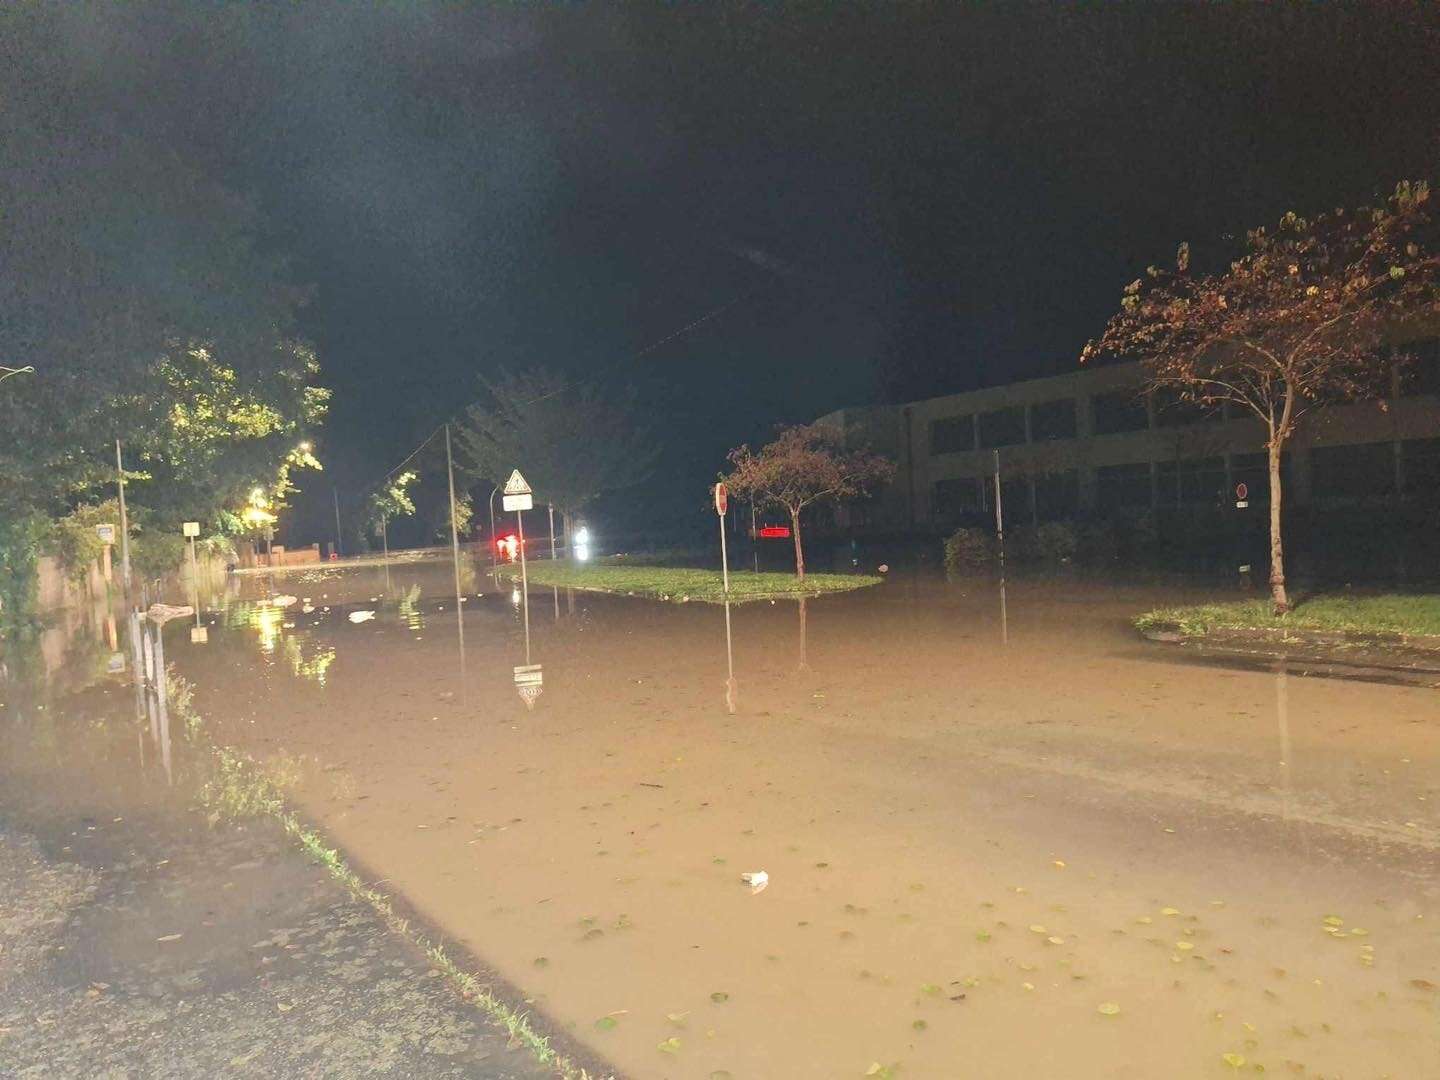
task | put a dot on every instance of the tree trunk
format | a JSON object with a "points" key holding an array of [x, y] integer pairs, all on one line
{"points": [[799, 550], [569, 535], [1277, 552]]}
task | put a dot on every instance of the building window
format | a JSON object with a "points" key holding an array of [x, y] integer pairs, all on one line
{"points": [[952, 435], [1057, 495], [1420, 368], [1171, 411], [954, 498], [1003, 427], [1118, 411], [1421, 460], [1052, 420], [1122, 485], [1192, 482], [1366, 471]]}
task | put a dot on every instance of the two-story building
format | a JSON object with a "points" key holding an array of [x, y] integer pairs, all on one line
{"points": [[1093, 441]]}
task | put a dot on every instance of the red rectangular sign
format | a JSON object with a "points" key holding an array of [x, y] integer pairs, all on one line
{"points": [[774, 532]]}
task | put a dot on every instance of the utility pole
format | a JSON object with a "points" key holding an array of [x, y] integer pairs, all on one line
{"points": [[124, 523], [334, 491]]}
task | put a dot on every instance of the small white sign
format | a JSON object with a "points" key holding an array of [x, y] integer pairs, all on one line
{"points": [[106, 533], [199, 635], [518, 502], [516, 485], [191, 528]]}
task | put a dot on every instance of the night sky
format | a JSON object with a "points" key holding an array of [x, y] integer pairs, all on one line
{"points": [[884, 201]]}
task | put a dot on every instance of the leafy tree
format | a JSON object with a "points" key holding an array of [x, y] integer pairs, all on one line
{"points": [[138, 290], [1300, 319], [806, 464], [393, 500], [573, 443]]}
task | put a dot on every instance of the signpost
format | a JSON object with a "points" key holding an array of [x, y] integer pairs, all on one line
{"points": [[1242, 496], [519, 498], [722, 503], [106, 533], [199, 635]]}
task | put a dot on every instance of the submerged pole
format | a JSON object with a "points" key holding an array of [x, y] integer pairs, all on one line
{"points": [[124, 523]]}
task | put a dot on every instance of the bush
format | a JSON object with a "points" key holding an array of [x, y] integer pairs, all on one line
{"points": [[968, 550], [1056, 542]]}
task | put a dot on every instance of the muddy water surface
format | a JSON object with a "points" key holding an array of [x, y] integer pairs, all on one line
{"points": [[1030, 846]]}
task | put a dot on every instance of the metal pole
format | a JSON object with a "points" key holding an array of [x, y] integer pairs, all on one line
{"points": [[124, 524], [454, 531], [524, 579], [494, 548], [999, 515], [724, 556], [195, 580], [1000, 536], [551, 508], [754, 540], [334, 491]]}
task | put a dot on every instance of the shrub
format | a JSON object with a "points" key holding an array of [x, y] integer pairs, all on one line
{"points": [[968, 550], [1056, 542]]}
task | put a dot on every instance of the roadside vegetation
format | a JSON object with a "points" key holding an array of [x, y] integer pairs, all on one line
{"points": [[680, 584], [1409, 616]]}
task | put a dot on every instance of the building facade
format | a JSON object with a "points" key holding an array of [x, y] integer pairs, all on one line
{"points": [[1093, 441]]}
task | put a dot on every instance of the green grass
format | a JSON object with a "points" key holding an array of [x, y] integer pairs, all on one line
{"points": [[679, 584], [1412, 616]]}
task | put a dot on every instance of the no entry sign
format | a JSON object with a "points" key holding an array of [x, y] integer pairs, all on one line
{"points": [[1242, 491], [722, 499]]}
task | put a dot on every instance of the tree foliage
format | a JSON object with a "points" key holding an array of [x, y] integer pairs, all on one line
{"points": [[1299, 320], [805, 464], [573, 443], [138, 288]]}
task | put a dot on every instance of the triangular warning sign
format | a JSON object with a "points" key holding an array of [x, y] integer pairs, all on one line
{"points": [[516, 485]]}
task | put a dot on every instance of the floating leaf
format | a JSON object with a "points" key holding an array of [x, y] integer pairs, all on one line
{"points": [[982, 935], [542, 961], [1184, 946], [678, 1019], [1169, 911], [593, 933], [1334, 920], [1422, 984], [1036, 928], [670, 1046], [1144, 920], [606, 1023], [719, 997], [929, 988], [880, 1072], [1027, 986], [1108, 1008], [1235, 1061], [919, 1025], [1359, 931], [1060, 863], [1053, 940]]}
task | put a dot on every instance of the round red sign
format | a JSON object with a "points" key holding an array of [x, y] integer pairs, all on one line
{"points": [[1241, 491], [722, 499]]}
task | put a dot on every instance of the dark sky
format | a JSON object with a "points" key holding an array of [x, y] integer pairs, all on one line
{"points": [[893, 200]]}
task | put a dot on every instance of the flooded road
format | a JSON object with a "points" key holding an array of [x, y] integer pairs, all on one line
{"points": [[998, 843]]}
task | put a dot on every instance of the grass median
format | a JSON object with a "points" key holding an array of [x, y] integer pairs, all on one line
{"points": [[1415, 616], [679, 584]]}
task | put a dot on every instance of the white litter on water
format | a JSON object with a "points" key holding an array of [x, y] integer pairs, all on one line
{"points": [[308, 608], [756, 879], [361, 616], [283, 600]]}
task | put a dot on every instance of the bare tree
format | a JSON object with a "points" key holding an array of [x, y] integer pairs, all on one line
{"points": [[572, 442], [1298, 320], [805, 464]]}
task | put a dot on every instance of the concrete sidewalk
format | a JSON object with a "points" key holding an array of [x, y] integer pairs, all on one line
{"points": [[155, 949]]}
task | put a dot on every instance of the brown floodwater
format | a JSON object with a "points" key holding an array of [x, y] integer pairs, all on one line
{"points": [[985, 828]]}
